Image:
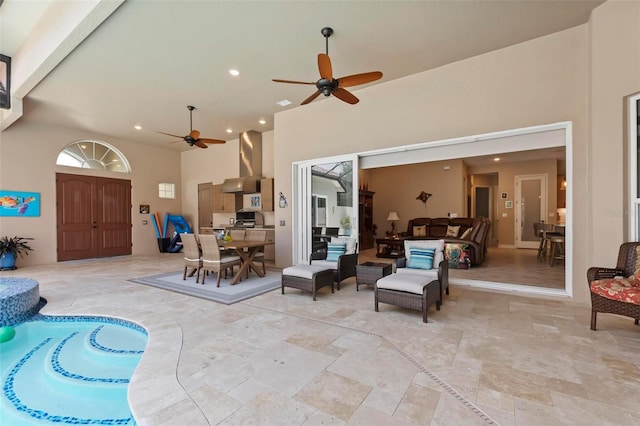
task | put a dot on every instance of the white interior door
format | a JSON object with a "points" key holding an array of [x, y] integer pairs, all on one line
{"points": [[530, 207]]}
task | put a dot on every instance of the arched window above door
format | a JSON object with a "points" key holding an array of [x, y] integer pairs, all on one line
{"points": [[93, 155]]}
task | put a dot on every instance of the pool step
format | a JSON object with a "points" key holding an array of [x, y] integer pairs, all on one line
{"points": [[38, 394]]}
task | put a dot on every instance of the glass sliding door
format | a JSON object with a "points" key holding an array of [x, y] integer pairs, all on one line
{"points": [[326, 201]]}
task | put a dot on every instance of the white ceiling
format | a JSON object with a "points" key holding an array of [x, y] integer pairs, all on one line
{"points": [[150, 59]]}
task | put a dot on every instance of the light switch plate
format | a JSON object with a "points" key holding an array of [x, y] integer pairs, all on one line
{"points": [[504, 215]]}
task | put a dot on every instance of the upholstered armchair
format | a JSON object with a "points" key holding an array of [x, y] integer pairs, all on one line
{"points": [[437, 270], [341, 256], [617, 290]]}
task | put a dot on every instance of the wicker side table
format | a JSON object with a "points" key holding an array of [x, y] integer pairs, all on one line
{"points": [[370, 272]]}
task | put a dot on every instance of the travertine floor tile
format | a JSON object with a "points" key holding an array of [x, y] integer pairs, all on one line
{"points": [[284, 359]]}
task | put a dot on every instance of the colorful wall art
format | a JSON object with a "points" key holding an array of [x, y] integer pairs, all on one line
{"points": [[16, 203]]}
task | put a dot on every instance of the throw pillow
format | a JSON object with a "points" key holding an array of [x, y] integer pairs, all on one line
{"points": [[457, 256], [420, 231], [348, 241], [421, 258], [466, 234], [335, 250], [452, 231]]}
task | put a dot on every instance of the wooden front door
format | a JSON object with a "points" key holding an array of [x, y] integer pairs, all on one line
{"points": [[93, 217]]}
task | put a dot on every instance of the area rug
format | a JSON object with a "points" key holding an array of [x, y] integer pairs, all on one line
{"points": [[226, 293]]}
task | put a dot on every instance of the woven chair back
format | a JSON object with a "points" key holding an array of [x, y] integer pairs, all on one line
{"points": [[190, 246], [237, 234], [210, 248], [255, 235]]}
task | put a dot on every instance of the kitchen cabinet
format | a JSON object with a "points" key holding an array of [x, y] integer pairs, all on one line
{"points": [[224, 202], [266, 194], [365, 210]]}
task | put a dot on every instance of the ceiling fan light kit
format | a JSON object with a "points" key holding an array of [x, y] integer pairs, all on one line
{"points": [[327, 85], [193, 138]]}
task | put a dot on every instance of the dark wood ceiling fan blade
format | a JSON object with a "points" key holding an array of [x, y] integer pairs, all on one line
{"points": [[324, 66], [277, 80], [356, 79], [310, 98], [212, 141], [345, 95], [169, 134], [200, 144], [195, 134]]}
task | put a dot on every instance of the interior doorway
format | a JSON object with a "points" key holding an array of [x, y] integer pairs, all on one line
{"points": [[530, 207], [93, 217]]}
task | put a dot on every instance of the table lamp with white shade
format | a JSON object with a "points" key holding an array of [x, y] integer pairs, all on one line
{"points": [[393, 216]]}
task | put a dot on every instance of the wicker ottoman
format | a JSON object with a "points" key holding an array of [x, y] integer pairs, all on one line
{"points": [[307, 277], [408, 291]]}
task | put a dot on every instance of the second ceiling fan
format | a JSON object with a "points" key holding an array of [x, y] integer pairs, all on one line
{"points": [[193, 138], [327, 85]]}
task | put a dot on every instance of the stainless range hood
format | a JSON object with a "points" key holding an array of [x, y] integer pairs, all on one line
{"points": [[250, 165], [246, 184]]}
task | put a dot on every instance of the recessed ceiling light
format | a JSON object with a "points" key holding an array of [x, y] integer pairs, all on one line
{"points": [[137, 127], [229, 130], [262, 121], [284, 102], [234, 73], [496, 159]]}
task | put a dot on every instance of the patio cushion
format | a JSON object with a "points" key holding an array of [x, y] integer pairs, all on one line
{"points": [[303, 271], [349, 241], [335, 250], [621, 289], [438, 245], [411, 283], [429, 274], [421, 258], [326, 264]]}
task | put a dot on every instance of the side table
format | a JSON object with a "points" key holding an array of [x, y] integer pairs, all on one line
{"points": [[370, 272], [390, 247]]}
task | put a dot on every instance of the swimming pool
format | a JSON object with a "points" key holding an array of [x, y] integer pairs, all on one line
{"points": [[69, 370]]}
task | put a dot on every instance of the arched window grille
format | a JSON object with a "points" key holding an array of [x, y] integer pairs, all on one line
{"points": [[93, 155]]}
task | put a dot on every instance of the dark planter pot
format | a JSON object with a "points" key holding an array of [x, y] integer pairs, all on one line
{"points": [[8, 261]]}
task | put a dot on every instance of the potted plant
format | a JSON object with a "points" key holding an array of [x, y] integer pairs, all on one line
{"points": [[346, 224], [11, 248]]}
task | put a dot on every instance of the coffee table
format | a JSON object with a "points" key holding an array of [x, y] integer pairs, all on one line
{"points": [[390, 247], [370, 272]]}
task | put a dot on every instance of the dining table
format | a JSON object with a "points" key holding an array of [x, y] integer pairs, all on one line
{"points": [[247, 250]]}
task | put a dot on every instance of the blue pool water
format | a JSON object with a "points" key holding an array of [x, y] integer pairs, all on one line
{"points": [[69, 370]]}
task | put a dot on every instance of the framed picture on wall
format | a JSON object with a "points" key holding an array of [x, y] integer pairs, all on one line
{"points": [[21, 204], [252, 201], [508, 204], [504, 195]]}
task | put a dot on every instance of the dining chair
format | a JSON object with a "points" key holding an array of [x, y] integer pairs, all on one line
{"points": [[237, 234], [545, 231], [257, 235], [213, 260], [192, 256]]}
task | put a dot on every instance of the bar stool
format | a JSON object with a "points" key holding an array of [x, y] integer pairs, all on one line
{"points": [[557, 248]]}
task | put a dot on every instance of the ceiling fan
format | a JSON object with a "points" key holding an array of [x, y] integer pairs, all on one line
{"points": [[193, 138], [327, 85]]}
